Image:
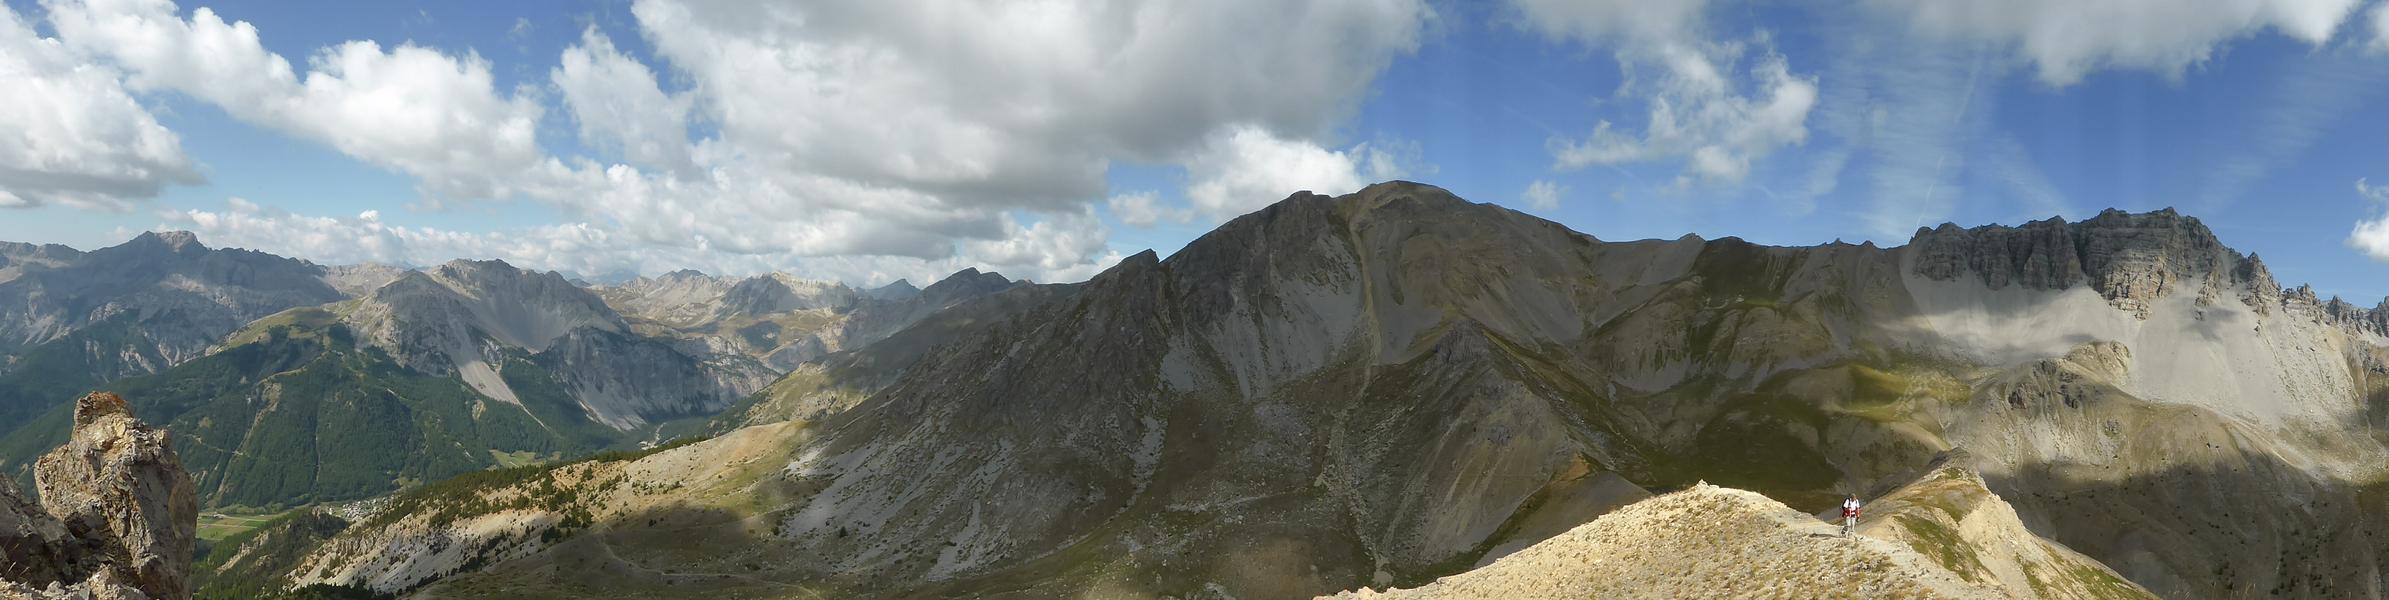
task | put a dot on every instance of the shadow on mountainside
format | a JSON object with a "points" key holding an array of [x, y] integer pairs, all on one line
{"points": [[675, 551], [2260, 528]]}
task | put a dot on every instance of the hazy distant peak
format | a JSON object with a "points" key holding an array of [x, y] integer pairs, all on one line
{"points": [[902, 289], [173, 241]]}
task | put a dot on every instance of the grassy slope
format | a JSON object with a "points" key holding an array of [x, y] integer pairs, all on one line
{"points": [[247, 565]]}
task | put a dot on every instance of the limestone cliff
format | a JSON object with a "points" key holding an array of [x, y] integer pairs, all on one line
{"points": [[2131, 259]]}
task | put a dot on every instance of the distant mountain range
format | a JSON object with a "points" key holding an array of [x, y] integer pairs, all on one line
{"points": [[781, 320], [293, 383], [71, 319]]}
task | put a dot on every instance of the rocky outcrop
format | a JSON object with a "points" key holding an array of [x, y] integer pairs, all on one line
{"points": [[2131, 259], [117, 517], [35, 550]]}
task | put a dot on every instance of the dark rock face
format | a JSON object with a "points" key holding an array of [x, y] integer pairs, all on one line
{"points": [[2131, 259], [872, 321], [625, 380], [34, 547], [117, 518], [900, 290], [965, 284]]}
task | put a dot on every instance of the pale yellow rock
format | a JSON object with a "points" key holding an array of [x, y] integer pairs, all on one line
{"points": [[118, 518]]}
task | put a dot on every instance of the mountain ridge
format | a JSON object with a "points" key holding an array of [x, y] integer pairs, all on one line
{"points": [[1381, 388], [1388, 387], [1942, 536]]}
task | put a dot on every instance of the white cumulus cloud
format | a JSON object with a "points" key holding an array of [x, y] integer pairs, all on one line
{"points": [[1043, 251], [908, 130], [1543, 194], [1248, 168], [1715, 105], [409, 108], [2371, 236], [71, 134], [2379, 16], [1144, 209], [617, 103], [2067, 39]]}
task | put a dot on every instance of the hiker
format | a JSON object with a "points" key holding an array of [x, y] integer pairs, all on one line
{"points": [[1849, 515]]}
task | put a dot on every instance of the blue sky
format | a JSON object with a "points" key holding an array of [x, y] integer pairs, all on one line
{"points": [[871, 141]]}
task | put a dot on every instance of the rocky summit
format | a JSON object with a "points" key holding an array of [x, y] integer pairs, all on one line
{"points": [[117, 516], [2130, 259]]}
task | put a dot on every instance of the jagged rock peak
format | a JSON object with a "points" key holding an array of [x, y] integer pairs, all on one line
{"points": [[901, 289], [2347, 315], [1128, 267], [967, 282], [98, 405], [175, 241], [465, 267], [2130, 258], [972, 274], [118, 516]]}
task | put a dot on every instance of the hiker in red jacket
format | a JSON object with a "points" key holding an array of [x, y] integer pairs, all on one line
{"points": [[1849, 514]]}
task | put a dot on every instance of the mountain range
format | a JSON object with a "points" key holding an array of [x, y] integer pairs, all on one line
{"points": [[1390, 387], [1395, 391], [294, 383], [79, 318]]}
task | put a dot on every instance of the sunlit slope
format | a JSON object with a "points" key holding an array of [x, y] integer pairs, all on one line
{"points": [[1944, 536]]}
